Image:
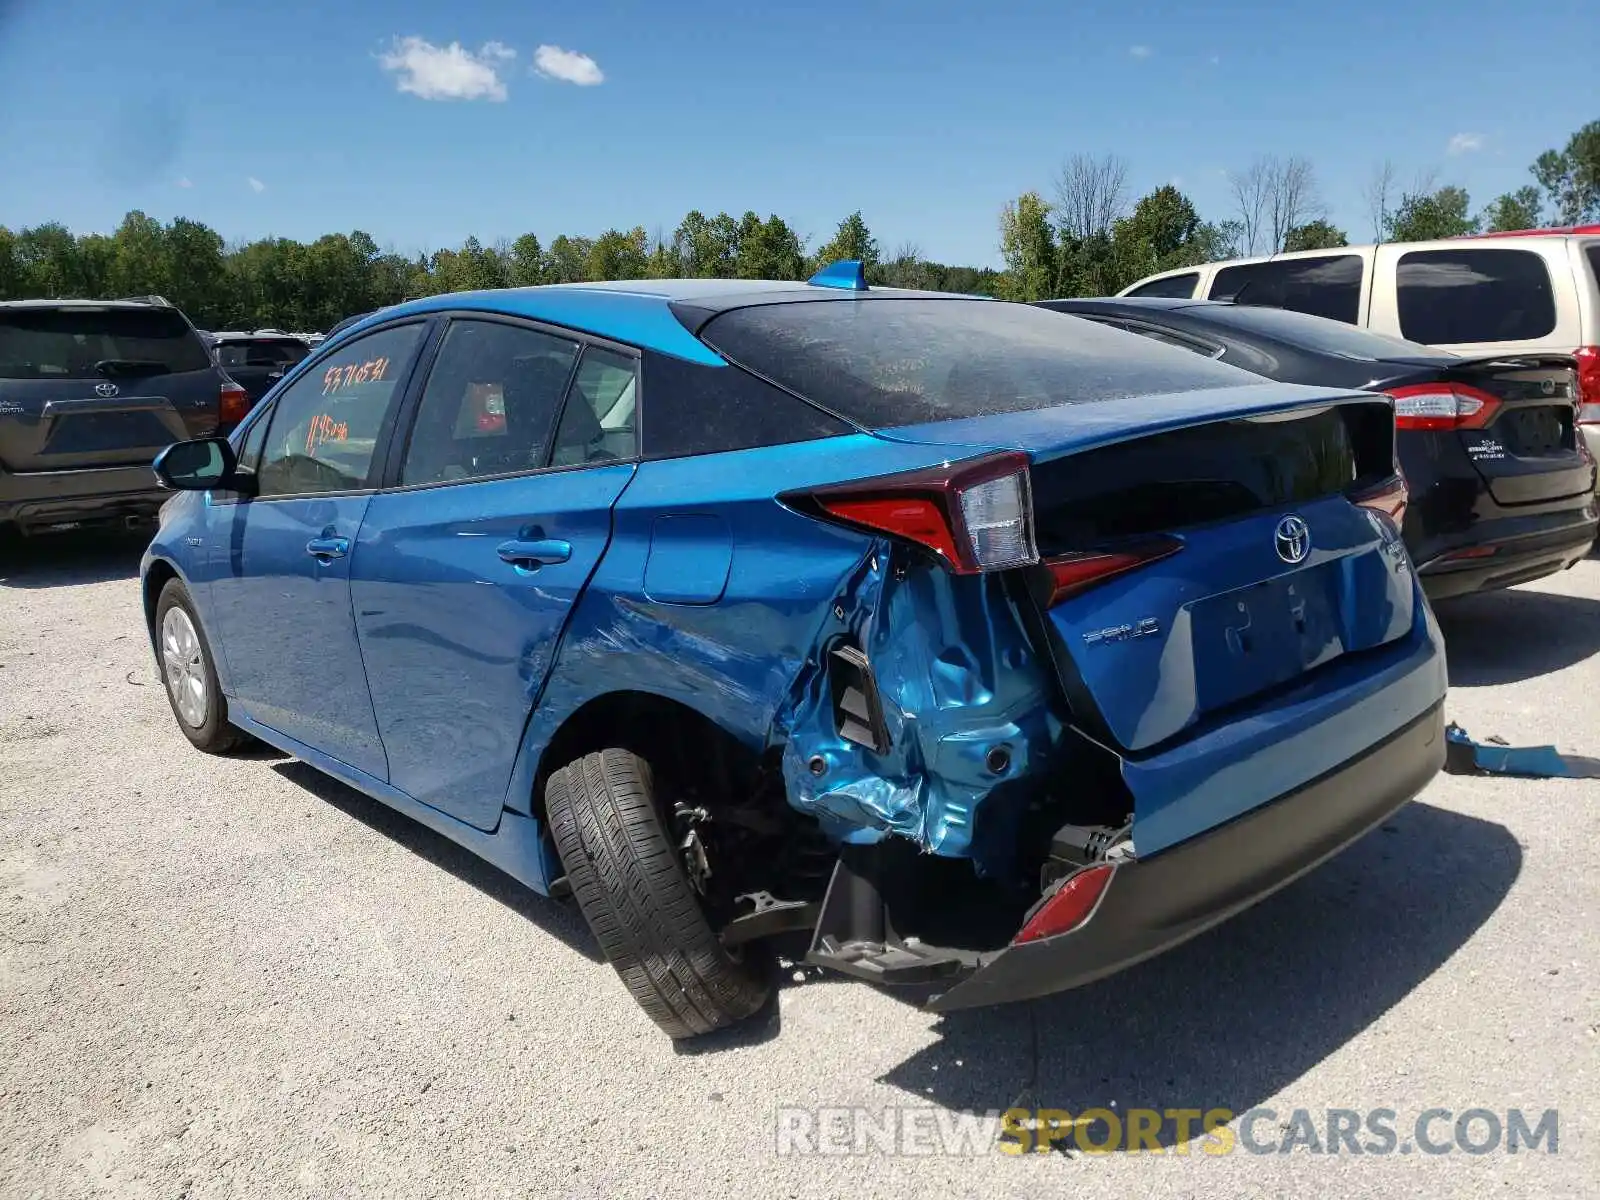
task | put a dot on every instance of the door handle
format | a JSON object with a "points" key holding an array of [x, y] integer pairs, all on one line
{"points": [[327, 548], [527, 555]]}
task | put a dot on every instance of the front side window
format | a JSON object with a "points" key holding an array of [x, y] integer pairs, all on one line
{"points": [[1175, 287], [1473, 295], [326, 425], [490, 403], [1328, 286]]}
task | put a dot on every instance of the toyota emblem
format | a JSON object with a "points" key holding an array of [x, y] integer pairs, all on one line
{"points": [[1292, 540], [105, 389]]}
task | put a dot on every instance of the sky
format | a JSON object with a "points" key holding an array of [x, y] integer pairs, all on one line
{"points": [[424, 122]]}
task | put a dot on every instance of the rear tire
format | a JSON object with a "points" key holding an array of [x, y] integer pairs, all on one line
{"points": [[634, 892], [198, 704]]}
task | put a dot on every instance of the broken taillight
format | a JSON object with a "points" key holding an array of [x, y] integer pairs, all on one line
{"points": [[975, 515], [1071, 905]]}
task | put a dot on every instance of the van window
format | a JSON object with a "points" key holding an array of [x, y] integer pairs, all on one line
{"points": [[1329, 286], [1175, 287], [1474, 295]]}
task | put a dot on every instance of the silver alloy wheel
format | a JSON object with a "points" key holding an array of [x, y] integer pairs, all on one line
{"points": [[185, 667]]}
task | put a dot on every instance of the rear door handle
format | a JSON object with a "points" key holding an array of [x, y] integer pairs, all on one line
{"points": [[527, 555], [326, 548]]}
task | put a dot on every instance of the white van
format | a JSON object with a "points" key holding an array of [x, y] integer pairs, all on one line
{"points": [[1535, 290]]}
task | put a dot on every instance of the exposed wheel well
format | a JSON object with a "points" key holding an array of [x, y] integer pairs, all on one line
{"points": [[679, 743]]}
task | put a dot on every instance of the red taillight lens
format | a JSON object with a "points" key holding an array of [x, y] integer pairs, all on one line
{"points": [[1442, 406], [1588, 385], [234, 404], [1072, 905], [1074, 573], [976, 516], [1389, 498]]}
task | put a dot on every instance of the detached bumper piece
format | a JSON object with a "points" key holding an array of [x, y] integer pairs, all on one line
{"points": [[1122, 910], [1152, 905], [1467, 757]]}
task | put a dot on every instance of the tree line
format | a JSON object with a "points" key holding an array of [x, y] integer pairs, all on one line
{"points": [[1085, 239]]}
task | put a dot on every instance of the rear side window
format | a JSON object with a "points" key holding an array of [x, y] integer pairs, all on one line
{"points": [[598, 422], [694, 409], [888, 362], [1593, 251], [1467, 295], [71, 343], [1176, 287], [1324, 287]]}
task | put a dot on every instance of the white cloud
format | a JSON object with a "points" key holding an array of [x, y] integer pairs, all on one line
{"points": [[568, 66], [256, 185], [447, 72], [186, 182], [1465, 143], [1140, 51]]}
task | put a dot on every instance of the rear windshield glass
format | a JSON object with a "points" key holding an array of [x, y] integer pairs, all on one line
{"points": [[889, 362], [1313, 333], [261, 354], [1474, 295], [69, 343]]}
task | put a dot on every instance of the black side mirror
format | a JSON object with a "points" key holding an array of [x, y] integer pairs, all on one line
{"points": [[196, 466]]}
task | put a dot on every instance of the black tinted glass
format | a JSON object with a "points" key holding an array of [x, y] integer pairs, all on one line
{"points": [[1178, 287], [893, 362], [1448, 296], [1311, 333], [695, 409], [1324, 287], [70, 343]]}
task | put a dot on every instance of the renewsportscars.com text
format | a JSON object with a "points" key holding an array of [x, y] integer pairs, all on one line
{"points": [[932, 1131]]}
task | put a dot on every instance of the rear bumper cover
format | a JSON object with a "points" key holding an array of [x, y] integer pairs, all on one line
{"points": [[1153, 904], [1523, 549], [35, 499]]}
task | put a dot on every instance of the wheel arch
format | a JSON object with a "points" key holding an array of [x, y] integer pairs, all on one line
{"points": [[675, 738]]}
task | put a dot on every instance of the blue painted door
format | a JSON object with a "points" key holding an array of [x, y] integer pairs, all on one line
{"points": [[465, 575], [281, 558]]}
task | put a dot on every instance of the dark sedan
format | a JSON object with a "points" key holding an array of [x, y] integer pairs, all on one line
{"points": [[1502, 486]]}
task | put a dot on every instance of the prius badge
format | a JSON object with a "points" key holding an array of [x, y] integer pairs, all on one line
{"points": [[1292, 540]]}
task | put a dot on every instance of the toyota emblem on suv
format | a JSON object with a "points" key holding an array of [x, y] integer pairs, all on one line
{"points": [[105, 389], [1292, 540]]}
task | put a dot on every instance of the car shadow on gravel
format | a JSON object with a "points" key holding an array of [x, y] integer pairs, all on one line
{"points": [[57, 560], [552, 916], [1237, 1015], [1516, 634]]}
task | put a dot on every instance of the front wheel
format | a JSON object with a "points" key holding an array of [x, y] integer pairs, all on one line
{"points": [[634, 892], [191, 680]]}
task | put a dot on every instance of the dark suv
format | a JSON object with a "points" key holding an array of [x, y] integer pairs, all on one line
{"points": [[256, 361], [90, 392]]}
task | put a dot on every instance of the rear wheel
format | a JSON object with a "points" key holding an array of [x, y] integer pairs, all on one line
{"points": [[629, 881], [191, 680]]}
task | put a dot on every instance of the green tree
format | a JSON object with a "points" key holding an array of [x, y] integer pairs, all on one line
{"points": [[1424, 216], [1028, 246], [568, 260], [1571, 177], [767, 249], [618, 255], [852, 240], [1514, 210], [1314, 235], [526, 265]]}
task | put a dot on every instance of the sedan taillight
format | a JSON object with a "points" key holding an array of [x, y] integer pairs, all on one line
{"points": [[1442, 406]]}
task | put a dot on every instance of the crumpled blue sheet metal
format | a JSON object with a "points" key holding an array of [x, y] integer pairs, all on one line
{"points": [[1463, 756]]}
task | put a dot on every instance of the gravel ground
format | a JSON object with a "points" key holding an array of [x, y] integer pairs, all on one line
{"points": [[234, 977]]}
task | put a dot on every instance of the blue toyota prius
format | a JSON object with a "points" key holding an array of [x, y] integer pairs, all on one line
{"points": [[961, 647]]}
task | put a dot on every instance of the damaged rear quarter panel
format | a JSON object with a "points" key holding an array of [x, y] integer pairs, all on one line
{"points": [[955, 668]]}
